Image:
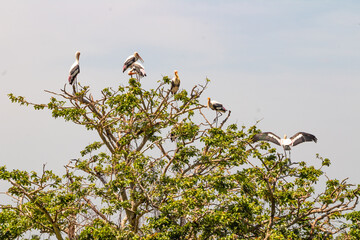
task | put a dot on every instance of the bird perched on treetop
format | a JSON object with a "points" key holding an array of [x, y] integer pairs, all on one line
{"points": [[130, 60], [285, 142], [74, 69], [138, 69], [175, 83], [216, 106]]}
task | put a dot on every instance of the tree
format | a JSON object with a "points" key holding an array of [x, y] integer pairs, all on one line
{"points": [[212, 182]]}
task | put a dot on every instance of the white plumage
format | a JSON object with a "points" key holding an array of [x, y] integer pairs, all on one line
{"points": [[214, 105], [130, 60], [175, 83], [74, 69], [138, 69], [285, 142]]}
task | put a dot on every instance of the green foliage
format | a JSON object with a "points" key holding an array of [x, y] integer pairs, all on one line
{"points": [[162, 170], [12, 225]]}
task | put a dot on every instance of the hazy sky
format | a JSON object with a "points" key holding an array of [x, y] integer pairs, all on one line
{"points": [[294, 64]]}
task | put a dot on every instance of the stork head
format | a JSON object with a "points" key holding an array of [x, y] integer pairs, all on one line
{"points": [[208, 102], [137, 56], [77, 55], [176, 73], [285, 136]]}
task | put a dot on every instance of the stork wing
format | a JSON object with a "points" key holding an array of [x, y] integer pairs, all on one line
{"points": [[138, 65], [128, 62], [213, 102], [174, 87], [143, 73], [301, 137], [73, 73], [139, 69], [267, 136], [173, 83], [75, 70], [218, 106]]}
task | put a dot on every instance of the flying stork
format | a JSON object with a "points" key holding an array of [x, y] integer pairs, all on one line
{"points": [[175, 83], [137, 69], [216, 106], [286, 143], [130, 60], [74, 69]]}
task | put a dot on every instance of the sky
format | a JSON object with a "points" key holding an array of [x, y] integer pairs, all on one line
{"points": [[294, 65]]}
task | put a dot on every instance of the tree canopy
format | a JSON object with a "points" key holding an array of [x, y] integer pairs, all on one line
{"points": [[161, 169]]}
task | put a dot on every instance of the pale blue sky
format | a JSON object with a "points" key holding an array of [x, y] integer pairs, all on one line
{"points": [[294, 64]]}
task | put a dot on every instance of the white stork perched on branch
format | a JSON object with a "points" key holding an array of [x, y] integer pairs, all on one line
{"points": [[175, 83], [286, 143], [137, 69], [130, 60], [216, 106], [74, 69]]}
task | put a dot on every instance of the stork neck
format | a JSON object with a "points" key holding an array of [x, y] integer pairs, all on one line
{"points": [[209, 103]]}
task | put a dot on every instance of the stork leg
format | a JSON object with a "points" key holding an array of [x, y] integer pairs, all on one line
{"points": [[285, 153], [290, 156], [216, 118], [74, 85], [214, 121], [218, 114]]}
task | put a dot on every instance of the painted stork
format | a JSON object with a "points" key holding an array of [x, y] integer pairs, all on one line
{"points": [[137, 69], [216, 106], [74, 69], [286, 143], [175, 83], [130, 60]]}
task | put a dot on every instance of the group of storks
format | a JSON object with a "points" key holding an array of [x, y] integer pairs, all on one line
{"points": [[137, 69]]}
